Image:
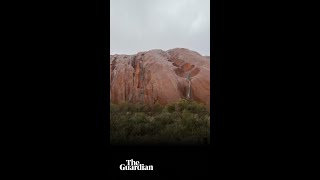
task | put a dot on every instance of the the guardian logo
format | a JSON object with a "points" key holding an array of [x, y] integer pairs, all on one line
{"points": [[135, 165]]}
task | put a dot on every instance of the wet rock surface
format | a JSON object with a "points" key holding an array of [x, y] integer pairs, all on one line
{"points": [[158, 76]]}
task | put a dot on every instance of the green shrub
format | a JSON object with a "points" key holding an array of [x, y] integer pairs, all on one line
{"points": [[164, 118], [183, 122], [170, 108], [182, 104], [156, 109], [114, 108]]}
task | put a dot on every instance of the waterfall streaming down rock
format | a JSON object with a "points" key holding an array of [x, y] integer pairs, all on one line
{"points": [[189, 85]]}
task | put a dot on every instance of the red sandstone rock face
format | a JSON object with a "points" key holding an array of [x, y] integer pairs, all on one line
{"points": [[158, 76]]}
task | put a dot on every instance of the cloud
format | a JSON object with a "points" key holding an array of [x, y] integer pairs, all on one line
{"points": [[141, 25]]}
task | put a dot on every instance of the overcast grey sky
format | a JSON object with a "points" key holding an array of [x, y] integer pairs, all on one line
{"points": [[141, 25]]}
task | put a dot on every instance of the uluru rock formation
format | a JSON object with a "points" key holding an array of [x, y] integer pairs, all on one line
{"points": [[158, 76]]}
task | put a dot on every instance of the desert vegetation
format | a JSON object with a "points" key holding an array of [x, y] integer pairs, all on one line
{"points": [[183, 122]]}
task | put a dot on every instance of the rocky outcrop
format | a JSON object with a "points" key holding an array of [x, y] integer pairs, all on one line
{"points": [[158, 76]]}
